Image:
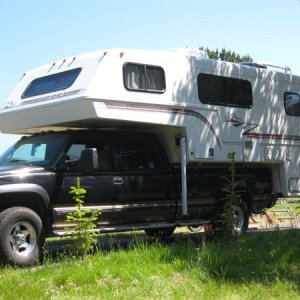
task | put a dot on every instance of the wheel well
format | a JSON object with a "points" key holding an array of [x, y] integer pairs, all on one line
{"points": [[26, 199]]}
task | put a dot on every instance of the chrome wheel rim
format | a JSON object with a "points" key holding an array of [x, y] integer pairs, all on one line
{"points": [[22, 238], [238, 219]]}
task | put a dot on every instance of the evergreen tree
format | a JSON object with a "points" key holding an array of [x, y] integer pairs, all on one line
{"points": [[227, 55]]}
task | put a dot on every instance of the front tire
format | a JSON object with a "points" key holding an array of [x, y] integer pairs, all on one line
{"points": [[21, 237]]}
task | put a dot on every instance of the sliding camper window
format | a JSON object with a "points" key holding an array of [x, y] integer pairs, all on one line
{"points": [[292, 104], [51, 83], [226, 91], [144, 78]]}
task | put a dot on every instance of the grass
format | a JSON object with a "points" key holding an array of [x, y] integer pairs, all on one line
{"points": [[262, 265]]}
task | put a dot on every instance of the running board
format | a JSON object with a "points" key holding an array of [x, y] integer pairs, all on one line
{"points": [[178, 223], [192, 222]]}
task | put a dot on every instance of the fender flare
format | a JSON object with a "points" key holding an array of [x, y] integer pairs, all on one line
{"points": [[17, 188]]}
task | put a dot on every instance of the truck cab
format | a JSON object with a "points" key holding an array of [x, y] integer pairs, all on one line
{"points": [[128, 178]]}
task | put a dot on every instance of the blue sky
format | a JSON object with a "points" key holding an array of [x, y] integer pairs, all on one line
{"points": [[33, 33]]}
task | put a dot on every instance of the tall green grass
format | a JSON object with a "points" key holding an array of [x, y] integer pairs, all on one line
{"points": [[256, 266]]}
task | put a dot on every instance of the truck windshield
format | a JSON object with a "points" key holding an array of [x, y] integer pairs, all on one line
{"points": [[35, 150]]}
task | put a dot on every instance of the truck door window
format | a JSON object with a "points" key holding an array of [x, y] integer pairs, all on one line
{"points": [[104, 152], [137, 157]]}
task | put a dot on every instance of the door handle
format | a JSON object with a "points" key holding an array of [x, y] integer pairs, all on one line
{"points": [[118, 180]]}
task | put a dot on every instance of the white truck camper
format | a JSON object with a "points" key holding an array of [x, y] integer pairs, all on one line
{"points": [[148, 133], [197, 106]]}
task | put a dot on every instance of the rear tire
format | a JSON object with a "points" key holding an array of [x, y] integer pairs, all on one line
{"points": [[21, 237], [160, 232], [241, 218], [195, 228]]}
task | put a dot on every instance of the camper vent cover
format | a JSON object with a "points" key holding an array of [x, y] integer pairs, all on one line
{"points": [[253, 64]]}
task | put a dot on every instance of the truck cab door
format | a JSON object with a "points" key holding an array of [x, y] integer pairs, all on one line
{"points": [[149, 186], [104, 185]]}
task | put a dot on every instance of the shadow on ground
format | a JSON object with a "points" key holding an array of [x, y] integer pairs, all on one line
{"points": [[260, 256]]}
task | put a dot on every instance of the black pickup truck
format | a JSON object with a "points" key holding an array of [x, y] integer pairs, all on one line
{"points": [[127, 177]]}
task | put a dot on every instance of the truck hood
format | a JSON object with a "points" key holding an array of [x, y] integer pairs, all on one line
{"points": [[20, 171]]}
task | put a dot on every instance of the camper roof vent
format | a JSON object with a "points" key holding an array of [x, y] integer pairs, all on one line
{"points": [[253, 64], [286, 70]]}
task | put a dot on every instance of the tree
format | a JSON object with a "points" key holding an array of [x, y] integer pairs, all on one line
{"points": [[227, 55], [232, 198], [84, 220]]}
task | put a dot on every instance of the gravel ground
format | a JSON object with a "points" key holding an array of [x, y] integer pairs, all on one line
{"points": [[271, 222]]}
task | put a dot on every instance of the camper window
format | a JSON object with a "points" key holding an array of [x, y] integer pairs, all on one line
{"points": [[145, 78], [51, 83], [292, 104], [226, 91]]}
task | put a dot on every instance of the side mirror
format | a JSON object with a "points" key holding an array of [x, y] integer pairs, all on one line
{"points": [[88, 159]]}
